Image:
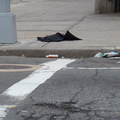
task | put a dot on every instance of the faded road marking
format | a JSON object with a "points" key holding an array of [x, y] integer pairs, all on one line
{"points": [[87, 68]]}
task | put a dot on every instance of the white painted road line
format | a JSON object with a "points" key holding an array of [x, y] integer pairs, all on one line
{"points": [[104, 68], [22, 89], [87, 68]]}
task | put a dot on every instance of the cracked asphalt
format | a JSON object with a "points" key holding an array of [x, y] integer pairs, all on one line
{"points": [[75, 93]]}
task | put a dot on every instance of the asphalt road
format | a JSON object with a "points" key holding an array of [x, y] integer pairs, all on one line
{"points": [[87, 89]]}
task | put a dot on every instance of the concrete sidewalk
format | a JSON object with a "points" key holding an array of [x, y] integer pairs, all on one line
{"points": [[38, 18]]}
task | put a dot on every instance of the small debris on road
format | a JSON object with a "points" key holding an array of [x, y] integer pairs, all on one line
{"points": [[52, 56], [107, 55], [13, 106]]}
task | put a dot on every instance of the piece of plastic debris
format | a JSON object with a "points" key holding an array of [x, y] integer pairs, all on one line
{"points": [[112, 54], [13, 106], [107, 55], [98, 54], [52, 56], [23, 55], [24, 111]]}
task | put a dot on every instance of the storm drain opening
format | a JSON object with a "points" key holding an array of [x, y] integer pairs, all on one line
{"points": [[17, 67]]}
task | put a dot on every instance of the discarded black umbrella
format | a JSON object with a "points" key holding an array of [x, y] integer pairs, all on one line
{"points": [[68, 36], [51, 38], [58, 37]]}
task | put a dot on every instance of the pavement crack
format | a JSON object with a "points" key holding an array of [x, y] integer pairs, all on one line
{"points": [[76, 94], [86, 104], [64, 105], [95, 76], [78, 22], [32, 99], [45, 44]]}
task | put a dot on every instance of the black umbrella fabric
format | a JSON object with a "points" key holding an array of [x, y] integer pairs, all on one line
{"points": [[52, 38], [58, 37], [68, 36]]}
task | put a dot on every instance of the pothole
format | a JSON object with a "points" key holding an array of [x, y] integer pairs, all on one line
{"points": [[17, 67]]}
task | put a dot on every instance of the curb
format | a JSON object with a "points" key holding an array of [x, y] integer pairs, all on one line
{"points": [[62, 53]]}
